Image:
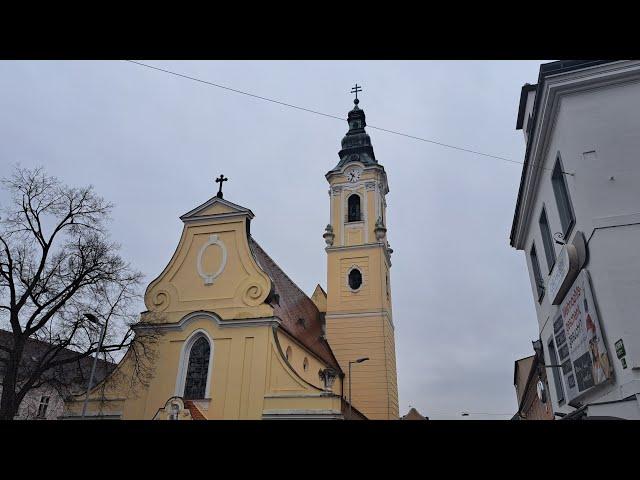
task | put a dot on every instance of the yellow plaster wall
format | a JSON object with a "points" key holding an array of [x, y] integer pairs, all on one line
{"points": [[296, 362], [359, 323], [319, 298], [371, 295], [247, 366], [247, 363], [374, 385], [239, 291]]}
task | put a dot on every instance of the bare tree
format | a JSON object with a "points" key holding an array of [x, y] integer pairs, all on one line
{"points": [[56, 264]]}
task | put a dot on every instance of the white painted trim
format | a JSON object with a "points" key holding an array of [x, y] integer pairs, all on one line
{"points": [[209, 278], [359, 268], [322, 394], [207, 218], [179, 326], [364, 245], [340, 173], [350, 316], [292, 414], [342, 222], [366, 216], [616, 220], [360, 314], [354, 189], [212, 201], [184, 362], [377, 201]]}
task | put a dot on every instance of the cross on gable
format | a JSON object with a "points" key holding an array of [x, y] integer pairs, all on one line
{"points": [[219, 180]]}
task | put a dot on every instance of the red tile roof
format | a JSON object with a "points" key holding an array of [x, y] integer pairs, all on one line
{"points": [[69, 378], [196, 414], [291, 305]]}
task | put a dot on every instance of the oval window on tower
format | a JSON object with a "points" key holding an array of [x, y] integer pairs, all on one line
{"points": [[355, 279]]}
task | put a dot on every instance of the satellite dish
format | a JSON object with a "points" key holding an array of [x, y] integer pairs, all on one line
{"points": [[542, 392]]}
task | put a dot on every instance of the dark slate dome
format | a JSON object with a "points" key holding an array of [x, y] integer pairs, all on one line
{"points": [[356, 144]]}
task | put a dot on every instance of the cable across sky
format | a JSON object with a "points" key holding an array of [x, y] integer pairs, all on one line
{"points": [[322, 113]]}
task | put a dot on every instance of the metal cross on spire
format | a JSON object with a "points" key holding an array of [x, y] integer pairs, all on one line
{"points": [[219, 180], [355, 90]]}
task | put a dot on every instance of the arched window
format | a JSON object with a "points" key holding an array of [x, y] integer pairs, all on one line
{"points": [[195, 384], [288, 354], [305, 364], [355, 279], [354, 208]]}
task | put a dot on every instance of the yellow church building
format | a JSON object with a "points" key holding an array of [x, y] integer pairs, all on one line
{"points": [[236, 338]]}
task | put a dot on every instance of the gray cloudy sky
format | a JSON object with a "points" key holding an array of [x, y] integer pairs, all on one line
{"points": [[152, 144]]}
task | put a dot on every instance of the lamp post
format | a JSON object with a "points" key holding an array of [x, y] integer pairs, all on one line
{"points": [[92, 318], [360, 360]]}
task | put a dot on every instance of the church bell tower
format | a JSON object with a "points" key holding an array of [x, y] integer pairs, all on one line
{"points": [[359, 322]]}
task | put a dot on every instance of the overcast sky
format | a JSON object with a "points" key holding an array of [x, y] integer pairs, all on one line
{"points": [[152, 143]]}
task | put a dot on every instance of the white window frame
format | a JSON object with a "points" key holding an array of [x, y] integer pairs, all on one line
{"points": [[351, 268], [184, 362], [346, 205]]}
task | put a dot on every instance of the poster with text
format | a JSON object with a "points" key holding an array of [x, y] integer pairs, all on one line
{"points": [[583, 354]]}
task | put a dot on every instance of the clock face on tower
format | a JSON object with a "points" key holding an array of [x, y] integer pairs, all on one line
{"points": [[353, 175]]}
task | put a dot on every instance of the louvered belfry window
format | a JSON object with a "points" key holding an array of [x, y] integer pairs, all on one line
{"points": [[196, 382]]}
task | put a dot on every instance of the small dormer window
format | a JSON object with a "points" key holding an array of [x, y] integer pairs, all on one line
{"points": [[353, 206]]}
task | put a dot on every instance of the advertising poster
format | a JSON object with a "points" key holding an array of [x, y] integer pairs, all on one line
{"points": [[579, 342]]}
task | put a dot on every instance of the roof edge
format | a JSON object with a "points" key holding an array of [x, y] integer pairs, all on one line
{"points": [[524, 93]]}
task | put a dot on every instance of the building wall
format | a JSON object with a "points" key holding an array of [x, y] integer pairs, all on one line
{"points": [[526, 383], [596, 134], [360, 324], [28, 409], [249, 374], [533, 408]]}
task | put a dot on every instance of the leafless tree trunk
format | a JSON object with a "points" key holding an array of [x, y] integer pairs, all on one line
{"points": [[56, 264]]}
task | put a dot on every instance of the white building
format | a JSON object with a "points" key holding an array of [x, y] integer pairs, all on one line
{"points": [[581, 185], [46, 402]]}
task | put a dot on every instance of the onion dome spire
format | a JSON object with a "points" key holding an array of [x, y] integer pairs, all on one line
{"points": [[356, 144]]}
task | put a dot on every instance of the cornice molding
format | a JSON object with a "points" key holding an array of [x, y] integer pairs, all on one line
{"points": [[364, 245], [237, 210], [180, 325]]}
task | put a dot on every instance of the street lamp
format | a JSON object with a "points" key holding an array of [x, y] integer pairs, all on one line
{"points": [[360, 360], [92, 318]]}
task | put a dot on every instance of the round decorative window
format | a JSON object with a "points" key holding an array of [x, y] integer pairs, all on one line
{"points": [[355, 279]]}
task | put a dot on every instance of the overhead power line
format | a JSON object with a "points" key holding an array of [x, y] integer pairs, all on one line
{"points": [[322, 113]]}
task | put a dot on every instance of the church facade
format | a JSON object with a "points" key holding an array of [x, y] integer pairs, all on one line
{"points": [[236, 338]]}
